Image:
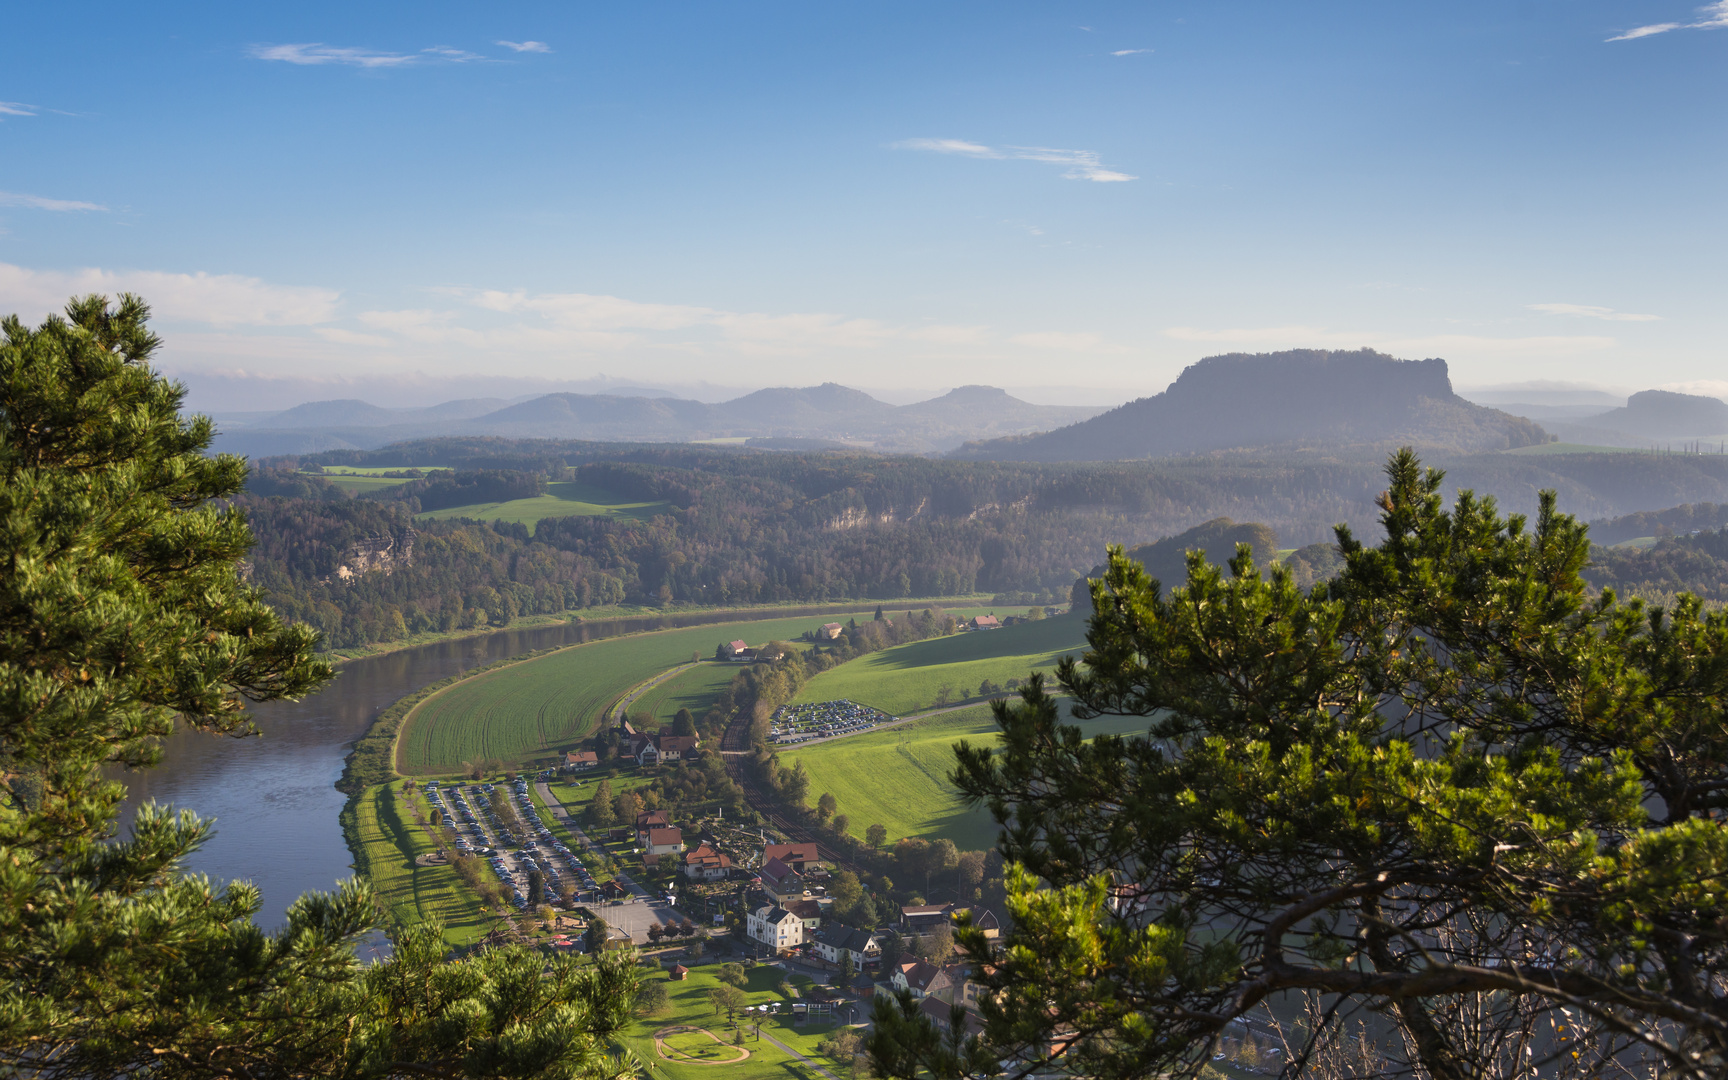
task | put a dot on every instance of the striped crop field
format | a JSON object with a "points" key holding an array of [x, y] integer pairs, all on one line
{"points": [[547, 705], [694, 689], [908, 678], [388, 842], [898, 777]]}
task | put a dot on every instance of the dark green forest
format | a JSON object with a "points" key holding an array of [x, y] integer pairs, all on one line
{"points": [[753, 527]]}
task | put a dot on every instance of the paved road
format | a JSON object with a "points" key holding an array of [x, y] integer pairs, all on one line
{"points": [[636, 913], [562, 817]]}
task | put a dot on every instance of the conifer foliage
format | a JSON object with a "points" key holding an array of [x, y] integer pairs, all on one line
{"points": [[1446, 792], [122, 614]]}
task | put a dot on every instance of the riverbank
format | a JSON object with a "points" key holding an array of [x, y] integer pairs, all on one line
{"points": [[669, 613]]}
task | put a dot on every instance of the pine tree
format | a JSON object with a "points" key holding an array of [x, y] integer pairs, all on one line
{"points": [[600, 810], [121, 610], [1448, 787]]}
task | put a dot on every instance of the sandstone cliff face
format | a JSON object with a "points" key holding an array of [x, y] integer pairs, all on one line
{"points": [[384, 553]]}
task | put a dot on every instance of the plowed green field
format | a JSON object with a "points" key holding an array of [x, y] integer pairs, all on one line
{"points": [[898, 777], [907, 678]]}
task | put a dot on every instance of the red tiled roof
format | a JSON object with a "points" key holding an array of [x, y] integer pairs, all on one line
{"points": [[790, 853], [662, 837]]}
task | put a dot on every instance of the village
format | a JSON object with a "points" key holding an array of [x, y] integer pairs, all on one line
{"points": [[744, 892]]}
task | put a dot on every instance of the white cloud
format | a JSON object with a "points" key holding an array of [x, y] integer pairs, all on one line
{"points": [[216, 299], [584, 311], [527, 46], [1129, 52], [349, 337], [1082, 164], [1711, 17], [37, 202], [1646, 31], [315, 54], [949, 146], [1717, 388], [223, 320], [1589, 312], [449, 55], [1067, 341], [17, 108], [600, 322]]}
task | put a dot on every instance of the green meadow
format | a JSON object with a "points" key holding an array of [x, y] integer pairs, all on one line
{"points": [[357, 480], [907, 678], [388, 841], [898, 777], [1547, 449], [563, 498], [688, 1005]]}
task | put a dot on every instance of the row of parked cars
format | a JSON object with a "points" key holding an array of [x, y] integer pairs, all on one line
{"points": [[543, 852], [539, 853]]}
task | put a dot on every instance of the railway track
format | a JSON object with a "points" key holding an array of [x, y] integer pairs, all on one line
{"points": [[734, 744]]}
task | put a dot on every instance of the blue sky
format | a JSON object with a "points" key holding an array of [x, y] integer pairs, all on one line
{"points": [[1074, 199]]}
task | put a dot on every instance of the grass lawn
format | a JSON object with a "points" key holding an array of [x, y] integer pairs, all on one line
{"points": [[688, 1005], [545, 706], [898, 777], [695, 690], [359, 485], [906, 678], [563, 498], [389, 841]]}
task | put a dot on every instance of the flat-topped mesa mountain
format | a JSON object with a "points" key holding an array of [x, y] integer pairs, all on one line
{"points": [[1660, 413], [1297, 399], [783, 417]]}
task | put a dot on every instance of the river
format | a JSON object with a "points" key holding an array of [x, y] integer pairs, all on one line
{"points": [[273, 798]]}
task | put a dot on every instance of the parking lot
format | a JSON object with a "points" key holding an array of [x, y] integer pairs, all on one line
{"points": [[823, 720], [468, 809]]}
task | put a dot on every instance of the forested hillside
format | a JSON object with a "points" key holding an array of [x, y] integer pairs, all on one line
{"points": [[1695, 563], [752, 527]]}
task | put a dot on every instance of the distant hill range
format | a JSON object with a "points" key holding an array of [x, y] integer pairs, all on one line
{"points": [[829, 415], [1303, 398], [1652, 418]]}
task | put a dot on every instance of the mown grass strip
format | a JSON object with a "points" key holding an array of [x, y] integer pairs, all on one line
{"points": [[385, 843], [898, 777]]}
